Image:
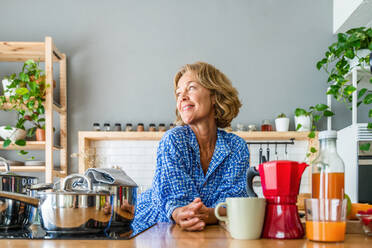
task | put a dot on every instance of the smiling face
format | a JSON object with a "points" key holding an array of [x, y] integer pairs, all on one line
{"points": [[194, 102]]}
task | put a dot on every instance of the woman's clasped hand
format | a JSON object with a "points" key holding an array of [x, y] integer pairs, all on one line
{"points": [[192, 217]]}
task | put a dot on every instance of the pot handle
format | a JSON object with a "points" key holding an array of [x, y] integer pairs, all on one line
{"points": [[20, 197], [73, 176], [252, 172]]}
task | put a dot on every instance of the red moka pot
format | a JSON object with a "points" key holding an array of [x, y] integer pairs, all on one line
{"points": [[280, 182]]}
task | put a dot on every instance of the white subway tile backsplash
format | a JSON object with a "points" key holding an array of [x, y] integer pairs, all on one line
{"points": [[138, 158]]}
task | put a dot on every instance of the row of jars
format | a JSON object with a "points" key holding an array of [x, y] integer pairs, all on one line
{"points": [[129, 127]]}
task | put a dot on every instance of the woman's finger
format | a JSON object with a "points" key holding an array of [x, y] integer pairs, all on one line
{"points": [[196, 227], [186, 214]]}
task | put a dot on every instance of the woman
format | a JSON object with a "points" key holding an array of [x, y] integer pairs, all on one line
{"points": [[198, 165]]}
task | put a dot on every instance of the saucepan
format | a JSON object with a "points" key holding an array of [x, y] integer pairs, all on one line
{"points": [[69, 212], [14, 214]]}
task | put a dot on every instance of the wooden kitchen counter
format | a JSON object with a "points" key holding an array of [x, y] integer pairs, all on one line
{"points": [[168, 235]]}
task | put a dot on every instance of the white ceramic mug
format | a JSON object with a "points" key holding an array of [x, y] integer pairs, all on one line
{"points": [[245, 216]]}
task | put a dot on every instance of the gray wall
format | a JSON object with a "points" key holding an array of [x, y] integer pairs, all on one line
{"points": [[122, 55]]}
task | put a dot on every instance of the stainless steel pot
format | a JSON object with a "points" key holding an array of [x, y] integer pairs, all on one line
{"points": [[124, 201], [14, 214], [70, 212]]}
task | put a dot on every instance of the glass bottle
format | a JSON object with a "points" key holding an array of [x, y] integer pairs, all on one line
{"points": [[152, 127], [140, 127], [328, 170], [162, 127], [128, 127], [117, 127], [106, 127], [96, 127], [266, 126]]}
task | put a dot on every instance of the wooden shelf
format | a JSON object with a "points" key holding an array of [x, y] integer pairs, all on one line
{"points": [[48, 53], [30, 145], [25, 168], [122, 135], [23, 51]]}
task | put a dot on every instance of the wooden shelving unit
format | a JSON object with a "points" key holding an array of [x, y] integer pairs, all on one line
{"points": [[48, 53], [86, 137]]}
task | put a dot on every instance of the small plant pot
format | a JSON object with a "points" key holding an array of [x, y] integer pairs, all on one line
{"points": [[282, 124], [40, 134], [305, 122], [13, 134]]}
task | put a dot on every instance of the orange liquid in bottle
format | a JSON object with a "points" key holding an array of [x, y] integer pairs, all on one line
{"points": [[333, 183], [327, 231]]}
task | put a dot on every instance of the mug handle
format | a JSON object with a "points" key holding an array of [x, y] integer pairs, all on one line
{"points": [[218, 216]]}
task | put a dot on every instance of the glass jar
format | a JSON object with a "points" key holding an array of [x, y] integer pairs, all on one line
{"points": [[162, 127], [266, 126], [96, 127], [328, 169], [117, 127], [171, 126], [152, 127], [128, 127], [240, 127], [140, 127], [106, 127]]}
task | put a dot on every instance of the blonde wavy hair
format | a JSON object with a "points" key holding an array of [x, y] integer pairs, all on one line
{"points": [[226, 96]]}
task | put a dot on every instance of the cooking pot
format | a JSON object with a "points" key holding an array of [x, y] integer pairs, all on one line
{"points": [[14, 214], [69, 212], [124, 201]]}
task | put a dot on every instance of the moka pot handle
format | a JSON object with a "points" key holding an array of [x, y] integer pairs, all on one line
{"points": [[252, 172]]}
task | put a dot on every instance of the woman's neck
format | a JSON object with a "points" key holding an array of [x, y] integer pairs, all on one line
{"points": [[206, 134]]}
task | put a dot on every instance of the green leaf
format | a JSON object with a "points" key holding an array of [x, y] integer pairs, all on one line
{"points": [[8, 127], [365, 147], [369, 126], [311, 135], [367, 99], [300, 111], [328, 113], [41, 120], [20, 142], [33, 86], [370, 46], [313, 150], [298, 127], [24, 77], [361, 92], [321, 107], [341, 37], [7, 143], [370, 80], [317, 117], [22, 91], [22, 152], [349, 90], [41, 109], [31, 132], [370, 113], [349, 53]]}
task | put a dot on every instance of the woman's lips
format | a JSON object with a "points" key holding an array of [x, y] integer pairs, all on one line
{"points": [[187, 107]]}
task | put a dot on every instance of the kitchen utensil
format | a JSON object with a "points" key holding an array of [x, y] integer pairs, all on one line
{"points": [[268, 153], [260, 154], [286, 152], [365, 218], [276, 152], [70, 212], [245, 216], [325, 219], [280, 184], [14, 214], [124, 201]]}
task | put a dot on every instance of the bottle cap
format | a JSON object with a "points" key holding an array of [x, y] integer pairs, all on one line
{"points": [[130, 124], [95, 124], [162, 124], [117, 124], [106, 124], [152, 125], [329, 134], [140, 124]]}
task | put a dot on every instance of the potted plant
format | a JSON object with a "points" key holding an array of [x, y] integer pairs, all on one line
{"points": [[282, 123], [29, 89], [352, 49]]}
